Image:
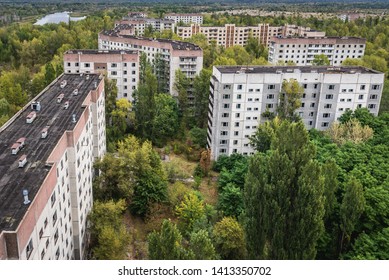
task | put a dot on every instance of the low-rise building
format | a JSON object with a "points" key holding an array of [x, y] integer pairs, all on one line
{"points": [[46, 186], [119, 65], [302, 51], [240, 95]]}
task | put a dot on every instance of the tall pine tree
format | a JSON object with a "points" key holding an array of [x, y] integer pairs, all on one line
{"points": [[284, 197]]}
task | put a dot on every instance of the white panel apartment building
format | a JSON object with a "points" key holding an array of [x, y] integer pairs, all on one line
{"points": [[45, 200], [137, 26], [178, 55], [238, 97], [121, 66], [302, 51], [185, 18], [231, 35]]}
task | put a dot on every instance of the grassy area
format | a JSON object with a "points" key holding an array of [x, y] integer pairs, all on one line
{"points": [[140, 228]]}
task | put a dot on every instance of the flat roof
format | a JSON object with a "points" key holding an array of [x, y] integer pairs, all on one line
{"points": [[85, 51], [336, 39], [13, 180], [176, 45], [295, 69]]}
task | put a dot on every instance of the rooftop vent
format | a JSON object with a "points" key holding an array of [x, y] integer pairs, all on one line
{"points": [[22, 160], [36, 105], [25, 195], [74, 118], [63, 83]]}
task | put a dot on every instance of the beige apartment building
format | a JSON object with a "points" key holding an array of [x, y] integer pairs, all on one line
{"points": [[232, 35]]}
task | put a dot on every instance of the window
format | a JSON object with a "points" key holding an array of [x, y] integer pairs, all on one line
{"points": [[371, 106], [235, 142], [314, 95], [43, 254], [375, 87], [271, 86], [236, 124], [362, 87], [312, 105], [238, 106], [68, 63], [374, 96], [133, 64], [45, 223], [224, 133], [54, 218], [57, 254], [251, 90], [239, 87], [225, 115], [331, 87], [315, 86], [302, 105], [236, 133], [226, 106], [324, 124], [41, 233], [223, 142], [29, 249], [52, 199], [269, 106], [56, 235], [326, 115], [305, 85], [270, 96], [237, 115], [327, 106], [226, 96], [360, 97], [86, 65], [227, 87], [224, 124], [329, 96], [114, 73], [114, 65], [239, 96]]}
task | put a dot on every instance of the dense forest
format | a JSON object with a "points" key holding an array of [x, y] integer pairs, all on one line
{"points": [[312, 195]]}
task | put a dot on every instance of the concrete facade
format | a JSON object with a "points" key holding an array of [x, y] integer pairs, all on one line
{"points": [[231, 35], [137, 25], [239, 96], [302, 51], [185, 18], [176, 55], [121, 66]]}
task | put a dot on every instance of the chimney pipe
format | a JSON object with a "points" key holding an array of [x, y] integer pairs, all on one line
{"points": [[25, 195]]}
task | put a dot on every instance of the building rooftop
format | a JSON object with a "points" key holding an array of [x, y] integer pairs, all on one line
{"points": [[85, 51], [15, 179], [176, 45], [335, 39], [295, 69]]}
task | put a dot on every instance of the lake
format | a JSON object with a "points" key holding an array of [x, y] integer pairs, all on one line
{"points": [[58, 18]]}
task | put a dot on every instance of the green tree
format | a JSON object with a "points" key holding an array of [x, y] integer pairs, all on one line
{"points": [[165, 123], [109, 234], [263, 136], [320, 60], [144, 105], [352, 207], [230, 201], [201, 97], [229, 239], [201, 246], [49, 73], [284, 198], [190, 210], [167, 244], [290, 100], [181, 86]]}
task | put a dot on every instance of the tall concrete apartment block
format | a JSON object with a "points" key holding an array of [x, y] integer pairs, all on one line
{"points": [[239, 96], [121, 66], [47, 152], [231, 35], [176, 55], [185, 18], [302, 51]]}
